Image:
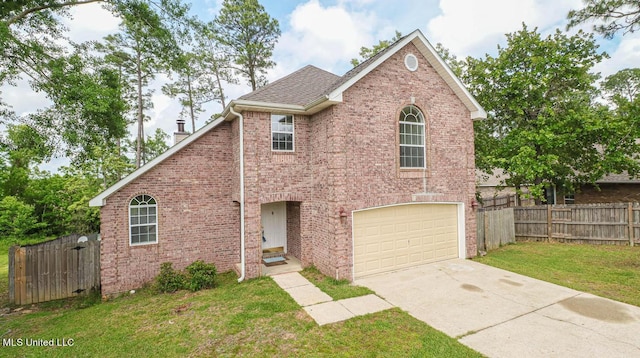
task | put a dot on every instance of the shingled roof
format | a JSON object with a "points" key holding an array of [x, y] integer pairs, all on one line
{"points": [[299, 88]]}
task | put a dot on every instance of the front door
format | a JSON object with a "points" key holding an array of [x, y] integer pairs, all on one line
{"points": [[274, 225]]}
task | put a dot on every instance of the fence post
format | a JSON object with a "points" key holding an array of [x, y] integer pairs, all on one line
{"points": [[12, 274], [549, 223], [630, 219]]}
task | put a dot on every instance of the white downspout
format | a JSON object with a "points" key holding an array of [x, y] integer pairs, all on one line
{"points": [[242, 255]]}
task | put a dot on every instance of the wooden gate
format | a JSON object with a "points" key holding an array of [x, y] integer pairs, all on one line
{"points": [[61, 268], [495, 228]]}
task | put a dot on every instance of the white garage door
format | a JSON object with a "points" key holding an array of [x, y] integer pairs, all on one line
{"points": [[401, 236]]}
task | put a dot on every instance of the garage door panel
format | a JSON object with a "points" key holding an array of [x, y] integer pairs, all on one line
{"points": [[420, 233]]}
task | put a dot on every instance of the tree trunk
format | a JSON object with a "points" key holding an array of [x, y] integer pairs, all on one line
{"points": [[140, 112], [538, 200], [193, 117], [222, 101]]}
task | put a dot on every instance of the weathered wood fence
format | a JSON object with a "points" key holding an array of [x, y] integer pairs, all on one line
{"points": [[614, 223], [505, 201], [61, 268], [495, 228]]}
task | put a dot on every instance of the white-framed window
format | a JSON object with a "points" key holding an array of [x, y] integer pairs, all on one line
{"points": [[143, 220], [569, 198], [282, 132], [412, 153]]}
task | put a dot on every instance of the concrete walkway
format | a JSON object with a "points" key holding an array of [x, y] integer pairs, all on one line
{"points": [[321, 307]]}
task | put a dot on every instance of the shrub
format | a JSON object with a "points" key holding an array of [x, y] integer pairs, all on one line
{"points": [[201, 275], [170, 280]]}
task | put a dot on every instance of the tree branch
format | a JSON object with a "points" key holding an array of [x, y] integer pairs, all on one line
{"points": [[45, 7]]}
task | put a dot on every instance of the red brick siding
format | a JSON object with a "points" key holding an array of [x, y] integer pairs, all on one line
{"points": [[608, 193], [197, 218], [293, 229]]}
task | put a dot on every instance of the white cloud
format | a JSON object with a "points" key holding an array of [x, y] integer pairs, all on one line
{"points": [[90, 22], [471, 27], [323, 36], [626, 55]]}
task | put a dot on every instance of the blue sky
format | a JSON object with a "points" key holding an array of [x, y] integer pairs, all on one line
{"points": [[328, 34]]}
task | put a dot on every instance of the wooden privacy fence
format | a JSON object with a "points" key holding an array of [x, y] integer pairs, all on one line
{"points": [[495, 228], [614, 223], [505, 201], [61, 268]]}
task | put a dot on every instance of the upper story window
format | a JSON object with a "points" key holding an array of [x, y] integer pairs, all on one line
{"points": [[412, 138], [143, 220], [282, 132]]}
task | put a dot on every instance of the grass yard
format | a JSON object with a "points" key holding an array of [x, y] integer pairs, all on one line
{"points": [[254, 318], [604, 270], [337, 289]]}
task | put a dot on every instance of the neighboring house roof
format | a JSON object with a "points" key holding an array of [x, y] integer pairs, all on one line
{"points": [[308, 91], [622, 178], [498, 177], [490, 180]]}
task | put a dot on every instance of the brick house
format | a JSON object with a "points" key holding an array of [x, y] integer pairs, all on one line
{"points": [[359, 174], [611, 188]]}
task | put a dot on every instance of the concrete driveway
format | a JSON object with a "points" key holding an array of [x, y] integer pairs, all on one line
{"points": [[503, 314]]}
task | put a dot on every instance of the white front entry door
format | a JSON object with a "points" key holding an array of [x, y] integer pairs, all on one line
{"points": [[274, 225]]}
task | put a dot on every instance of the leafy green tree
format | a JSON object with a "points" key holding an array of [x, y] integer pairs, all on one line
{"points": [[623, 91], [613, 15], [156, 144], [368, 52], [543, 128], [88, 108], [248, 34], [89, 98], [144, 47], [623, 86], [17, 219], [25, 147], [200, 74]]}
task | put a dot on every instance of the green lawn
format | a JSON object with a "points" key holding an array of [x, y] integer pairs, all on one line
{"points": [[603, 270], [254, 318], [337, 289]]}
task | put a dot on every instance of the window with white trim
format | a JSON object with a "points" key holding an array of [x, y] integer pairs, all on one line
{"points": [[412, 145], [143, 220], [282, 132]]}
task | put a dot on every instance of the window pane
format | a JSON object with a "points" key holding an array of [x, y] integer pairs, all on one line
{"points": [[143, 220], [134, 211], [134, 220]]}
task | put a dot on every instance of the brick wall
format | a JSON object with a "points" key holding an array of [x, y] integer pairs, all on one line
{"points": [[608, 193], [197, 218], [293, 229]]}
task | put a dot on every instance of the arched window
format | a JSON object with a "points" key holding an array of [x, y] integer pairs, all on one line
{"points": [[143, 220], [411, 138]]}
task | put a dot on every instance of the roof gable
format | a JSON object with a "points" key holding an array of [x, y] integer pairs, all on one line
{"points": [[429, 53], [101, 198]]}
